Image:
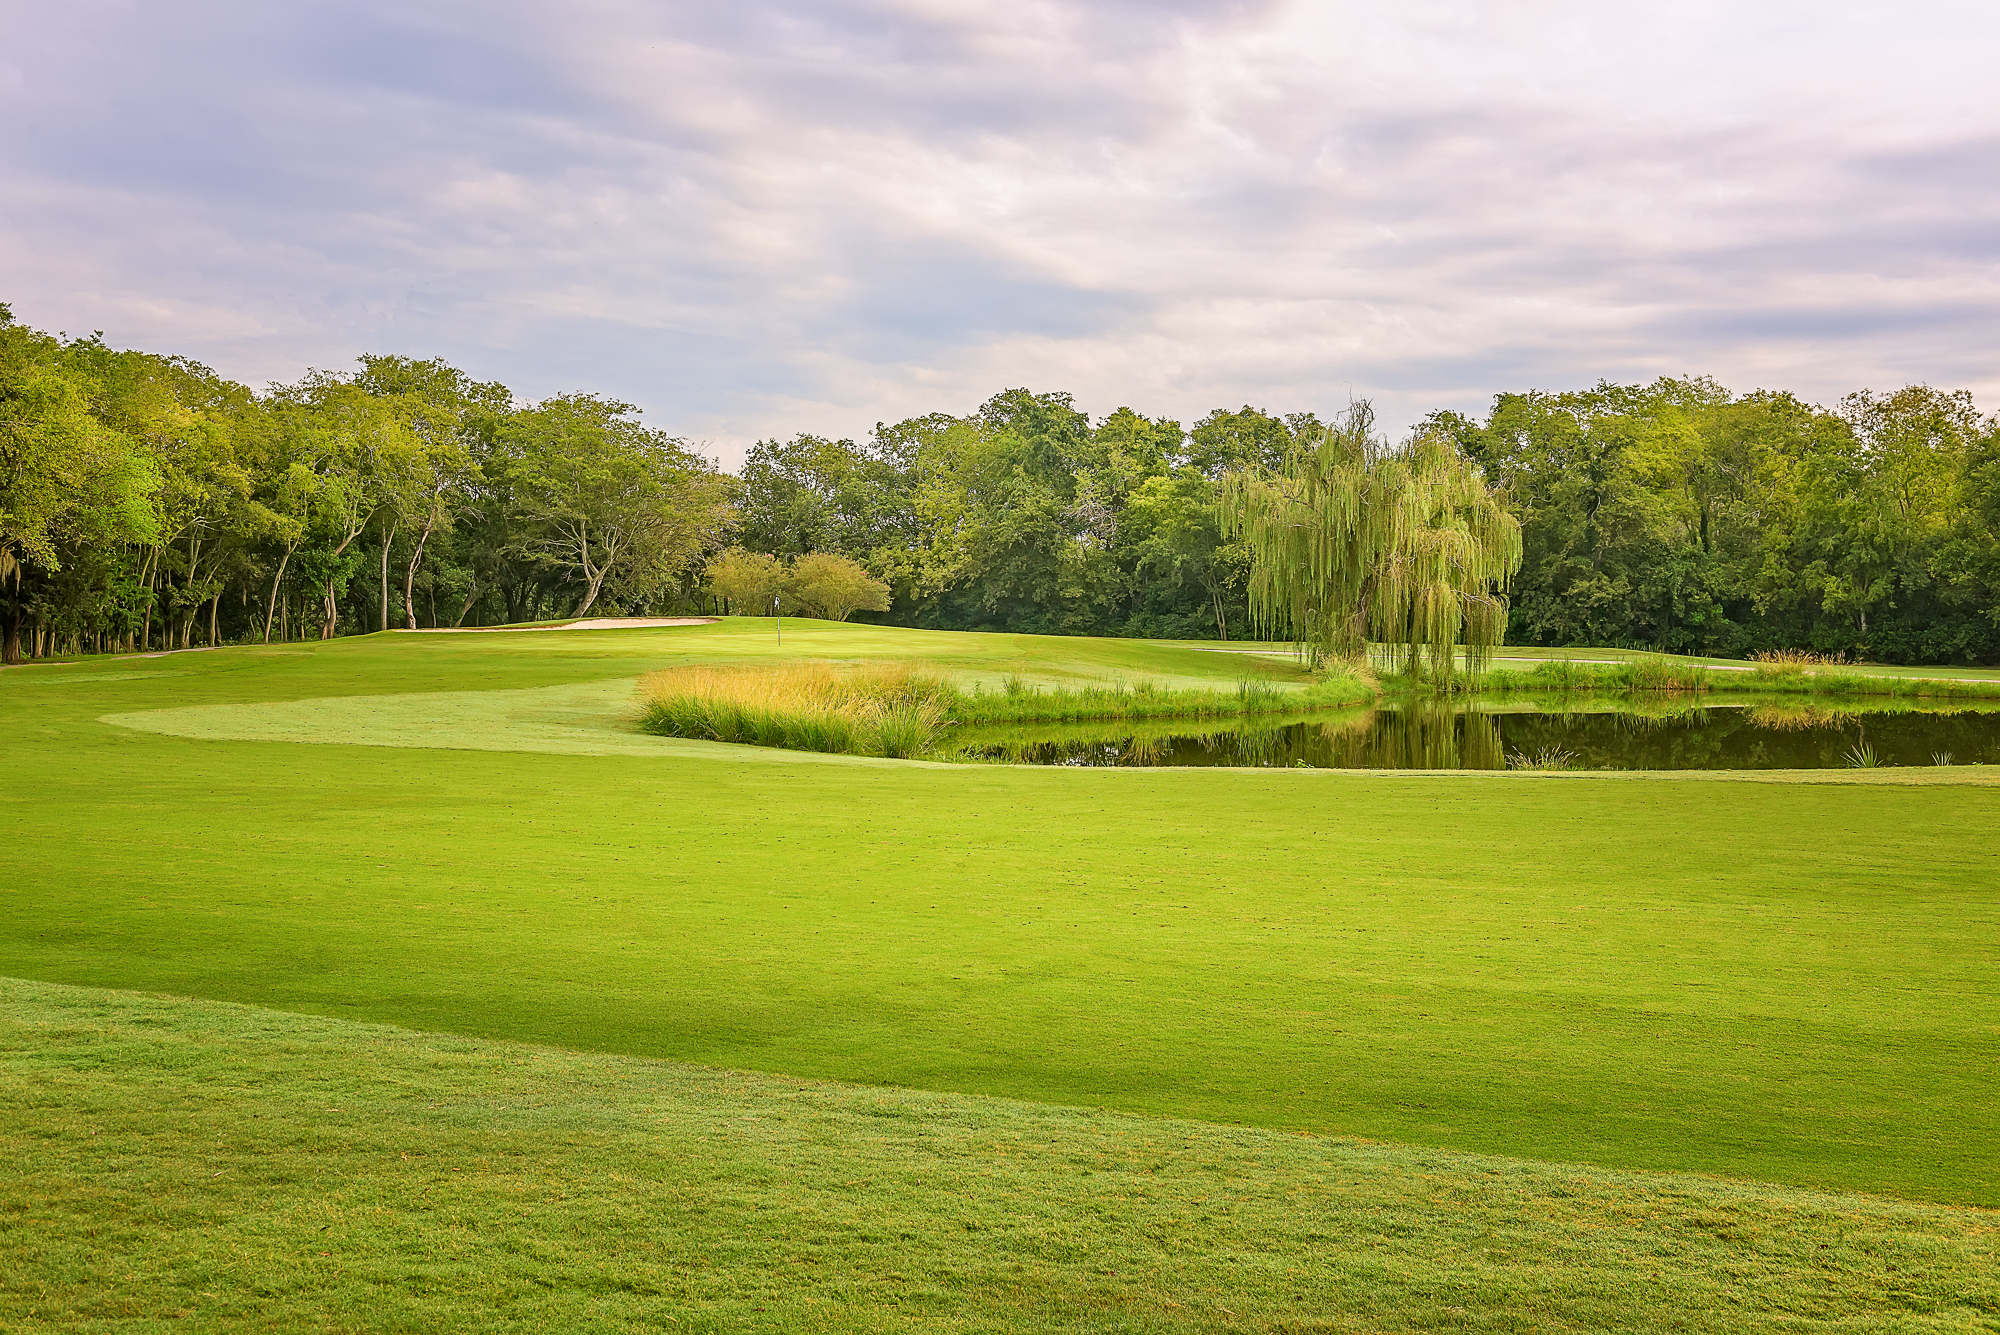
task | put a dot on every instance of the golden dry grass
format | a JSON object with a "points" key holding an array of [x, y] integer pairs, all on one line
{"points": [[878, 708]]}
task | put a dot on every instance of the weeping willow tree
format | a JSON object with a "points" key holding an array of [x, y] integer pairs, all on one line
{"points": [[1352, 541]]}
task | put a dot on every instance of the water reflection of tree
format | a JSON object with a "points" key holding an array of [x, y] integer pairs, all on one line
{"points": [[1426, 734]]}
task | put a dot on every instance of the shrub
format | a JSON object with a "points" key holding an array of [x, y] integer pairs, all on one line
{"points": [[747, 581], [834, 587]]}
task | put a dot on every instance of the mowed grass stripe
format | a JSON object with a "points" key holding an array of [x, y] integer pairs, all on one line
{"points": [[1790, 982], [207, 1166]]}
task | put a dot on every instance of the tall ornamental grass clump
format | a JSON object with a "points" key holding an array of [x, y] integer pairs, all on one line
{"points": [[874, 709]]}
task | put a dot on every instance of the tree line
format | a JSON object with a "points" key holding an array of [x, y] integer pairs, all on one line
{"points": [[1673, 516], [146, 502]]}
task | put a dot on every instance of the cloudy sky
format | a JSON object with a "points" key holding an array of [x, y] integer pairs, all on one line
{"points": [[755, 218]]}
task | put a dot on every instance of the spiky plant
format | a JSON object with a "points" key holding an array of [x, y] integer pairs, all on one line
{"points": [[1353, 541], [1548, 758]]}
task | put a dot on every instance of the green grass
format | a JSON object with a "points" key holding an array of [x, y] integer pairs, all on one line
{"points": [[197, 1166], [1783, 980]]}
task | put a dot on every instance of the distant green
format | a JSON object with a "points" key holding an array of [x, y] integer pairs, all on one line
{"points": [[1790, 978]]}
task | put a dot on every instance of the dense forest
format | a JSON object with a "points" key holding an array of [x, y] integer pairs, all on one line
{"points": [[146, 502]]}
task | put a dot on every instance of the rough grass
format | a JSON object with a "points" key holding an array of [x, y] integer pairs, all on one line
{"points": [[893, 710], [185, 1165]]}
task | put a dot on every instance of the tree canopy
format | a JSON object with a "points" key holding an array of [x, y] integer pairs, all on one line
{"points": [[147, 501], [1352, 541]]}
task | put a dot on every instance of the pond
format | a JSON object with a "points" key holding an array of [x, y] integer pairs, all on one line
{"points": [[1598, 735]]}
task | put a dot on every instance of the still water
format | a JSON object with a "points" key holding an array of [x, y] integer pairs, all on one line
{"points": [[1775, 736]]}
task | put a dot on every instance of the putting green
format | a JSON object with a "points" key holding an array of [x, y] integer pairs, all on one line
{"points": [[1779, 980]]}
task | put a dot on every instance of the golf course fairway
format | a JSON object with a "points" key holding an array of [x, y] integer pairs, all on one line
{"points": [[1787, 978]]}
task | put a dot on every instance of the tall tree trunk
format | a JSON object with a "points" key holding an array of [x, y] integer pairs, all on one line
{"points": [[471, 593], [388, 539], [590, 597], [410, 583], [276, 580], [214, 621]]}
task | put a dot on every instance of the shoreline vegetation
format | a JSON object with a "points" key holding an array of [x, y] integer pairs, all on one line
{"points": [[1770, 674], [902, 712]]}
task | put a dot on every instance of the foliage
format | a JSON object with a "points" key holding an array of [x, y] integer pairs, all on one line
{"points": [[608, 499], [145, 501], [1679, 517], [1022, 515], [747, 583], [819, 584], [834, 587], [1354, 542]]}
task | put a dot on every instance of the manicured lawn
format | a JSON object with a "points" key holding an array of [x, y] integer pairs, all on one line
{"points": [[195, 1166], [1778, 980]]}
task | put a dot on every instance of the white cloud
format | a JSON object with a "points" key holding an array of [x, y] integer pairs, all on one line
{"points": [[770, 217]]}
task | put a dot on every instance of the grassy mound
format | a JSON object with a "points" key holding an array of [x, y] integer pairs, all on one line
{"points": [[199, 1166]]}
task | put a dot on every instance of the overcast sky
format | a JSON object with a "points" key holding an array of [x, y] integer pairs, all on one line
{"points": [[755, 218]]}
